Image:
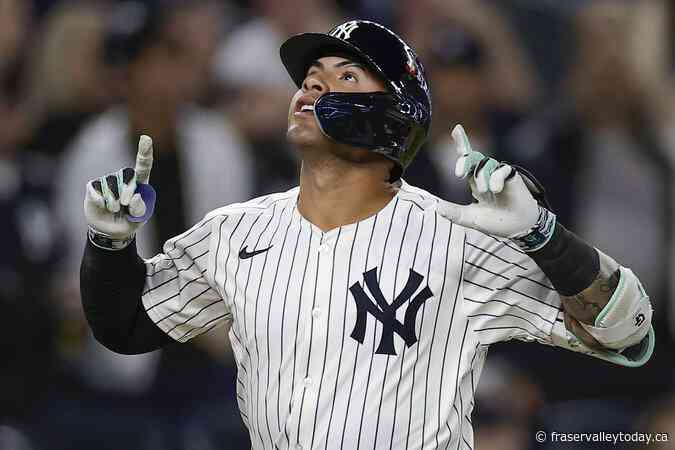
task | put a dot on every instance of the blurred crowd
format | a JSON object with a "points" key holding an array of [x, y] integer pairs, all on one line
{"points": [[580, 92]]}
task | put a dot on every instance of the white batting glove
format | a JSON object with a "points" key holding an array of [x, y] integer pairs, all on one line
{"points": [[505, 205], [117, 204]]}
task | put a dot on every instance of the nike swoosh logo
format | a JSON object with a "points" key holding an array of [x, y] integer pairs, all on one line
{"points": [[244, 254]]}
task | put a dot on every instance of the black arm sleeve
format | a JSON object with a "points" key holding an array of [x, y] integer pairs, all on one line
{"points": [[111, 285], [570, 263]]}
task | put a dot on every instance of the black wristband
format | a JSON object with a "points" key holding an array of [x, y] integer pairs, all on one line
{"points": [[101, 260], [570, 263]]}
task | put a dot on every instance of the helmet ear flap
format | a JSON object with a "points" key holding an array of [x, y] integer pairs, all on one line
{"points": [[381, 122]]}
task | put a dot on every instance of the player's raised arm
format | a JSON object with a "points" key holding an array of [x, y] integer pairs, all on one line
{"points": [[135, 305], [605, 306], [112, 276]]}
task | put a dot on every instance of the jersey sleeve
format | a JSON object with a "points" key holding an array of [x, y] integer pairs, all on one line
{"points": [[506, 296], [180, 294]]}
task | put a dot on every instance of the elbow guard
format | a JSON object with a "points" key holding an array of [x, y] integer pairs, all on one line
{"points": [[627, 317]]}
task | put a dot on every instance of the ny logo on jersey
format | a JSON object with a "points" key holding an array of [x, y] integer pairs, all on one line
{"points": [[345, 30], [385, 312]]}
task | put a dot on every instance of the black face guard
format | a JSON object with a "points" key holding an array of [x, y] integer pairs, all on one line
{"points": [[378, 121]]}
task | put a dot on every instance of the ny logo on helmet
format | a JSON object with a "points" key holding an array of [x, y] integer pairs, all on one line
{"points": [[385, 312], [345, 30]]}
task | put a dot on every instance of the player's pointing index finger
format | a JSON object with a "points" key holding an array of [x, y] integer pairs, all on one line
{"points": [[461, 140], [143, 159]]}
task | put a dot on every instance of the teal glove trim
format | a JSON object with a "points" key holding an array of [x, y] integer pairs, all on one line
{"points": [[471, 161], [645, 352], [488, 169]]}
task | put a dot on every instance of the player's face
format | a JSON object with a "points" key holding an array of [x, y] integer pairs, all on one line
{"points": [[327, 74]]}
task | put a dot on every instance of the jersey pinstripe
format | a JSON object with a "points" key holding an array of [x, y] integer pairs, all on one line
{"points": [[371, 335]]}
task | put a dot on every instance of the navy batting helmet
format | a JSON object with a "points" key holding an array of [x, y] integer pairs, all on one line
{"points": [[393, 123]]}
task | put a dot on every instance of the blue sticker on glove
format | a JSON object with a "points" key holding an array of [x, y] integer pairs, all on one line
{"points": [[149, 196]]}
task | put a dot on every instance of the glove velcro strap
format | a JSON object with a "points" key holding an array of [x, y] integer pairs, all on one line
{"points": [[626, 318], [539, 235], [106, 242]]}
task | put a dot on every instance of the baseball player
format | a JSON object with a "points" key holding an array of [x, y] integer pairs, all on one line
{"points": [[360, 308]]}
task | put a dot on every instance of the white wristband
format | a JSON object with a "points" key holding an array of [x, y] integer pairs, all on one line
{"points": [[539, 235], [106, 242]]}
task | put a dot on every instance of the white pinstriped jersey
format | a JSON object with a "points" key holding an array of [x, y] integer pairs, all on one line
{"points": [[372, 335]]}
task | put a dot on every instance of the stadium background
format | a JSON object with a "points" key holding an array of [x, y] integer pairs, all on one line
{"points": [[580, 92]]}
